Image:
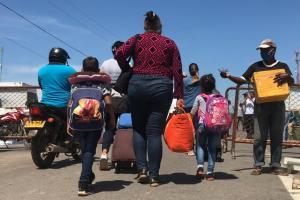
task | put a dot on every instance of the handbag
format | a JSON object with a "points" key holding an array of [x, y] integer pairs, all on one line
{"points": [[122, 82]]}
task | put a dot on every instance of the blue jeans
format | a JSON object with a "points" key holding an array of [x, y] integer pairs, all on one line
{"points": [[207, 141], [88, 143], [150, 98]]}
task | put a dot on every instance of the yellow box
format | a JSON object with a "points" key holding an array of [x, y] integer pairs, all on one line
{"points": [[265, 88]]}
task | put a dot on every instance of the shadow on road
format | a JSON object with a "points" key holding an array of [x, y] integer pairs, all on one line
{"points": [[224, 176], [64, 163], [185, 179], [178, 178], [110, 186]]}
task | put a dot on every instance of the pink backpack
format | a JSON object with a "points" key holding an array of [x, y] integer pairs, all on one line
{"points": [[216, 117]]}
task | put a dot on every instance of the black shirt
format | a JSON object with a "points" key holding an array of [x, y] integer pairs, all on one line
{"points": [[260, 66]]}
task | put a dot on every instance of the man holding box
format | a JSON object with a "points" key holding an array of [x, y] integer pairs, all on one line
{"points": [[270, 115]]}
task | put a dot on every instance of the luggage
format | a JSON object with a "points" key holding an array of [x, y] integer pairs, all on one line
{"points": [[125, 121], [265, 88], [179, 132], [123, 157]]}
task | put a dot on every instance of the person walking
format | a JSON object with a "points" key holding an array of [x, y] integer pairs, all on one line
{"points": [[270, 116], [205, 139], [90, 109], [190, 91], [119, 104], [156, 63]]}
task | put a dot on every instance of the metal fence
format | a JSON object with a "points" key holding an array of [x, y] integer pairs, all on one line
{"points": [[11, 98], [244, 126]]}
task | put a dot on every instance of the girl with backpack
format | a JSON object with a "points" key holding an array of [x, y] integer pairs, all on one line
{"points": [[90, 97], [213, 119]]}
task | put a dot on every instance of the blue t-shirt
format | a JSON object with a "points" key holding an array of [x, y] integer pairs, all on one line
{"points": [[191, 90], [53, 79]]}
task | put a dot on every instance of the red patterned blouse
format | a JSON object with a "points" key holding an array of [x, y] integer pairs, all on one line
{"points": [[153, 54]]}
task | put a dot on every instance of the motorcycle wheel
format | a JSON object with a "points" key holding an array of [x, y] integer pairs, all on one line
{"points": [[40, 157]]}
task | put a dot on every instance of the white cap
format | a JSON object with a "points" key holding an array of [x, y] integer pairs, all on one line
{"points": [[266, 44]]}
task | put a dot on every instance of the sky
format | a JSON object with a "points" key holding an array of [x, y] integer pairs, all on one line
{"points": [[215, 34]]}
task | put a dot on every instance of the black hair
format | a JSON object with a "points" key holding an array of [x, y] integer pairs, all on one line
{"points": [[207, 83], [193, 64], [152, 22], [115, 46], [90, 64]]}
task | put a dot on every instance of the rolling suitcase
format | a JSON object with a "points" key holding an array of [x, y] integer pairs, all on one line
{"points": [[123, 157]]}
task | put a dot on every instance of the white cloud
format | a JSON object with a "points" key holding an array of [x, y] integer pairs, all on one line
{"points": [[24, 69]]}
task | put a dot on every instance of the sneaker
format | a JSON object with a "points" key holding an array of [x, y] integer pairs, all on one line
{"points": [[154, 182], [191, 153], [83, 189], [200, 173], [256, 171], [142, 177], [210, 177], [279, 171], [103, 162]]}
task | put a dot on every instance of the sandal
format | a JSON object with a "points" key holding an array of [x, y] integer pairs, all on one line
{"points": [[279, 171], [200, 173], [256, 171]]}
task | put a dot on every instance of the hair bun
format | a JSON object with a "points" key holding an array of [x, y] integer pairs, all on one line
{"points": [[150, 15]]}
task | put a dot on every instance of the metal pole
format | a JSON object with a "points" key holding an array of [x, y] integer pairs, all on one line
{"points": [[1, 59], [234, 128], [297, 59]]}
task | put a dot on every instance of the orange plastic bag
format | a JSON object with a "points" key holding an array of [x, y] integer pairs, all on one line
{"points": [[179, 132]]}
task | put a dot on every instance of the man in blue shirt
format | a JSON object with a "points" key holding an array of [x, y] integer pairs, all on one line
{"points": [[53, 79], [191, 87]]}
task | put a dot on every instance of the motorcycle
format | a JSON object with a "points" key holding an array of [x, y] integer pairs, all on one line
{"points": [[12, 123], [48, 132]]}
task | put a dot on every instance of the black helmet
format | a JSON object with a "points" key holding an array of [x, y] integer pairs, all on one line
{"points": [[58, 55]]}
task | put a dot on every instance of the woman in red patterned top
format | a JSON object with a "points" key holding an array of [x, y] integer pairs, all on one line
{"points": [[156, 63]]}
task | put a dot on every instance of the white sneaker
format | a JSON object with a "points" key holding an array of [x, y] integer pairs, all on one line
{"points": [[191, 153], [103, 162]]}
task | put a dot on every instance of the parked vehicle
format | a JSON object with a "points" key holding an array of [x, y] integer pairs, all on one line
{"points": [[11, 123], [48, 134]]}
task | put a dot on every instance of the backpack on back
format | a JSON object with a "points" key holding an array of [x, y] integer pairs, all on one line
{"points": [[216, 117], [86, 106]]}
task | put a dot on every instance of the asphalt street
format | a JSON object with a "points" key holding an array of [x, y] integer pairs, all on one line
{"points": [[21, 180]]}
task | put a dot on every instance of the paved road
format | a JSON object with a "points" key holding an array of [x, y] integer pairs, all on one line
{"points": [[21, 180]]}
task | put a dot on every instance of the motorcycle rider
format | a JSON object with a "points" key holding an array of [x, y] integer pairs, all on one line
{"points": [[53, 80]]}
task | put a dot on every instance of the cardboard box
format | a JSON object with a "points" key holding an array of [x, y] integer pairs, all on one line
{"points": [[265, 88]]}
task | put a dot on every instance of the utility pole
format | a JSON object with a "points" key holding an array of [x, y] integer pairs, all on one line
{"points": [[1, 60], [297, 59]]}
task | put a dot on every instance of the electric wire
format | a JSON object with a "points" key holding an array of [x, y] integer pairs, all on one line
{"points": [[24, 47], [42, 29], [93, 20], [77, 21]]}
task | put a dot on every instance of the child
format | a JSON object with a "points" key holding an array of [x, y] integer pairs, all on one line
{"points": [[204, 138], [90, 108]]}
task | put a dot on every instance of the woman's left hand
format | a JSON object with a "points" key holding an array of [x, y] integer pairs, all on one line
{"points": [[180, 103]]}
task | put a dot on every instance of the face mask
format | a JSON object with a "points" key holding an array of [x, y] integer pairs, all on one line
{"points": [[267, 55]]}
